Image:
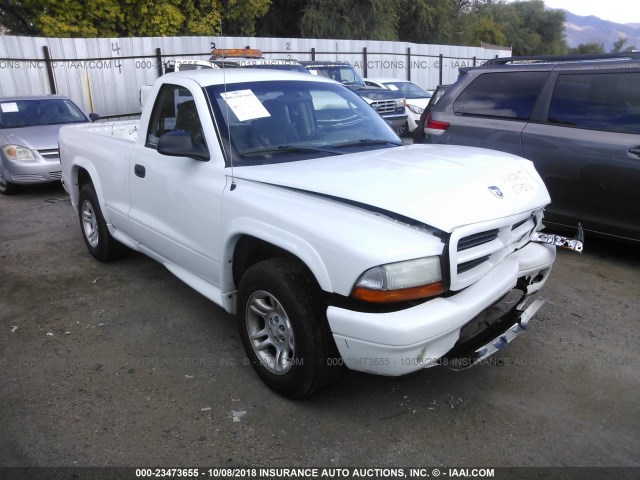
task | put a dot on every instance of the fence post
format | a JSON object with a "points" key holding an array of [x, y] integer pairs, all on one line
{"points": [[409, 63], [313, 54], [474, 61], [49, 63], [159, 61], [364, 58], [440, 65]]}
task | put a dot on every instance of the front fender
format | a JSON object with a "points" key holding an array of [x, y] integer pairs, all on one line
{"points": [[279, 237]]}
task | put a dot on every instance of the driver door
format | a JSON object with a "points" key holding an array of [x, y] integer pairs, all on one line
{"points": [[176, 201]]}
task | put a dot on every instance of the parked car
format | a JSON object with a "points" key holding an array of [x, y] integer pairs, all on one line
{"points": [[284, 198], [29, 138], [416, 97], [388, 103], [418, 132], [576, 117]]}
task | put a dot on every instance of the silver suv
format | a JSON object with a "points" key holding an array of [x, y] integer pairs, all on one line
{"points": [[576, 117]]}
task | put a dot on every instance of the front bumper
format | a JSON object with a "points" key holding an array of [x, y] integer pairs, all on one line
{"points": [[40, 170], [401, 342], [395, 121]]}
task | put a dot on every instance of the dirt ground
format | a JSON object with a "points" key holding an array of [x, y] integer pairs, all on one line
{"points": [[123, 365]]}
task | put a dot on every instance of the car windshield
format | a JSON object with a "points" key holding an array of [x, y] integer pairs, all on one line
{"points": [[281, 121], [408, 89], [344, 74], [34, 112]]}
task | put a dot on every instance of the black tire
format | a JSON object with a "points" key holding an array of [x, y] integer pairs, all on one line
{"points": [[403, 131], [7, 188], [288, 309], [94, 229]]}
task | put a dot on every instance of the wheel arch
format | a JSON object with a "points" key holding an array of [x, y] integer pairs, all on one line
{"points": [[248, 246], [83, 172]]}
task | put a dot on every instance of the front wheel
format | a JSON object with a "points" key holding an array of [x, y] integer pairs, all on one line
{"points": [[7, 188], [402, 131], [94, 228], [284, 329]]}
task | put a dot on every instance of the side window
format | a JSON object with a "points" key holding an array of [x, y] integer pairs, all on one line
{"points": [[174, 109], [507, 95], [597, 101]]}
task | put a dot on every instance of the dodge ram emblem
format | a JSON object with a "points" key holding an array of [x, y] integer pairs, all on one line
{"points": [[496, 191]]}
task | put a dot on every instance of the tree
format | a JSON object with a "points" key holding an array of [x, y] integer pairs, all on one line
{"points": [[428, 21], [128, 18], [239, 16], [354, 19], [526, 25], [618, 46], [587, 48], [282, 19]]}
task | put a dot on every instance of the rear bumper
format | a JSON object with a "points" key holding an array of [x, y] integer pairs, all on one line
{"points": [[401, 342]]}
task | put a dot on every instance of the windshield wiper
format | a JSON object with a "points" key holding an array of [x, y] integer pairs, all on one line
{"points": [[288, 149], [364, 142]]}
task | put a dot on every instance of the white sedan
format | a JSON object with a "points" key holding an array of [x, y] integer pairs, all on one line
{"points": [[417, 99]]}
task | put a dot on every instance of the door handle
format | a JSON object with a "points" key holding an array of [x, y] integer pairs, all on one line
{"points": [[634, 150], [139, 170]]}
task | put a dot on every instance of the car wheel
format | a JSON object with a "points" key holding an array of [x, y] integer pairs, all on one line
{"points": [[7, 188], [94, 229], [402, 131], [284, 328]]}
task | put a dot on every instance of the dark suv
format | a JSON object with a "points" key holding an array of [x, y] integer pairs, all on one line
{"points": [[576, 117]]}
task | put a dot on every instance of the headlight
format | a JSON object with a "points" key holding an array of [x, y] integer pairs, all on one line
{"points": [[18, 153], [401, 281], [400, 102], [415, 109]]}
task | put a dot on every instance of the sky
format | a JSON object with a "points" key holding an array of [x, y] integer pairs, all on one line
{"points": [[619, 11]]}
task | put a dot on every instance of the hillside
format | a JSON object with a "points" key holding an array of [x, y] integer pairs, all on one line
{"points": [[578, 29]]}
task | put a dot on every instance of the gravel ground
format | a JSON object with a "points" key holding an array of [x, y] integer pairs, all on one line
{"points": [[123, 365]]}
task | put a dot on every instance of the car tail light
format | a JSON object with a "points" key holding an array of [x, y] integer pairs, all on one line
{"points": [[433, 127]]}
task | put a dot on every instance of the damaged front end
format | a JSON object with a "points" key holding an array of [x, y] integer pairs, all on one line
{"points": [[576, 243]]}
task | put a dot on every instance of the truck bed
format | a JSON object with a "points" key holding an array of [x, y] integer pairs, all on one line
{"points": [[125, 130]]}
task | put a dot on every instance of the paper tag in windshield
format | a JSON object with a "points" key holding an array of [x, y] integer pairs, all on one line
{"points": [[245, 105], [9, 107]]}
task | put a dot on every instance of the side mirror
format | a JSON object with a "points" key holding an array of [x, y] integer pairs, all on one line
{"points": [[182, 143], [94, 117]]}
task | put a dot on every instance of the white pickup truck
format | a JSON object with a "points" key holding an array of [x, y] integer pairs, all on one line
{"points": [[285, 199]]}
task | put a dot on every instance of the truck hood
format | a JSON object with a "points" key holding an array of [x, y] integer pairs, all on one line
{"points": [[374, 93], [443, 186]]}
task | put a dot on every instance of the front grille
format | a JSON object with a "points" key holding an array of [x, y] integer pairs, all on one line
{"points": [[384, 106], [476, 239], [475, 249], [466, 266], [49, 154]]}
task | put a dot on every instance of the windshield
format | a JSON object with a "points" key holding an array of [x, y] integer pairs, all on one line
{"points": [[408, 89], [280, 121], [344, 74], [33, 112]]}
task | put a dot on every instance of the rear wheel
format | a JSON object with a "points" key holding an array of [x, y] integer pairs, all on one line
{"points": [[7, 188], [284, 329], [94, 228]]}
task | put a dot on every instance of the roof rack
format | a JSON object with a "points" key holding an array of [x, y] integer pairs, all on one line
{"points": [[563, 58]]}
